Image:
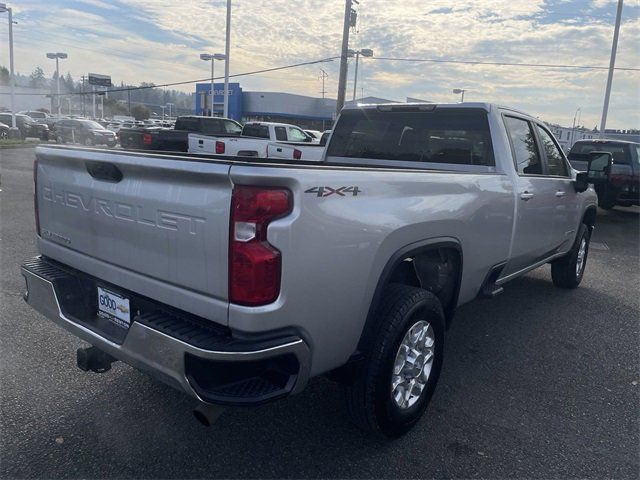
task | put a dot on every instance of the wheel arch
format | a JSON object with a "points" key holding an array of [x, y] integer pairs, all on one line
{"points": [[424, 258]]}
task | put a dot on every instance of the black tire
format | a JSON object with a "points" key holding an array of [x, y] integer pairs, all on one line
{"points": [[4, 134], [88, 142], [564, 271], [60, 139], [606, 199], [369, 399]]}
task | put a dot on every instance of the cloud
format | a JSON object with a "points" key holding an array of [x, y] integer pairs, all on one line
{"points": [[160, 41]]}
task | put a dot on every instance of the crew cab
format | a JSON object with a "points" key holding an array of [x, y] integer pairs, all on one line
{"points": [[623, 187], [176, 139], [236, 280], [262, 140]]}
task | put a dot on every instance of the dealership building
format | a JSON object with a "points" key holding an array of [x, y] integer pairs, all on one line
{"points": [[308, 112]]}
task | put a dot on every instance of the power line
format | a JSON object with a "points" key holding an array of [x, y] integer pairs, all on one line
{"points": [[186, 82], [507, 64]]}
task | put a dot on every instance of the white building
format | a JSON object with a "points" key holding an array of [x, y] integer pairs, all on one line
{"points": [[567, 136]]}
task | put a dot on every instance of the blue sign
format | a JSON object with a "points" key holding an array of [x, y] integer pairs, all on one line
{"points": [[202, 100]]}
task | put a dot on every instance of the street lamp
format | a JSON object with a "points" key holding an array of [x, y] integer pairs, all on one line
{"points": [[212, 57], [459, 91], [58, 56], [365, 52], [12, 80], [573, 128]]}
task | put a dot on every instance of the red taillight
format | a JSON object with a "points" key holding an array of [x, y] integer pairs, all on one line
{"points": [[219, 147], [297, 154], [35, 196], [254, 264], [146, 139]]}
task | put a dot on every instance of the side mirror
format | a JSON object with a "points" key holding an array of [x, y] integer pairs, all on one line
{"points": [[599, 168]]}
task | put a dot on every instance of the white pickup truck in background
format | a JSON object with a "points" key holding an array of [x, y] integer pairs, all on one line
{"points": [[262, 140]]}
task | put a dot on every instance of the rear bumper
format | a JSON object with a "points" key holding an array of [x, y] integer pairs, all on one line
{"points": [[207, 364]]}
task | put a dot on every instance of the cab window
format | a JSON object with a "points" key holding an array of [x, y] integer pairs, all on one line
{"points": [[525, 149], [555, 162], [297, 135]]}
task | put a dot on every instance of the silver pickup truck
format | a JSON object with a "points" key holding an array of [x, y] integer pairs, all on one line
{"points": [[237, 280]]}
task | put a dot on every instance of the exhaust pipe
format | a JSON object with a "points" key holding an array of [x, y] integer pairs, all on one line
{"points": [[207, 414]]}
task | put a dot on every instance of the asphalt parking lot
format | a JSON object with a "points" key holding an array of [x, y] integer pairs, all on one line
{"points": [[537, 383]]}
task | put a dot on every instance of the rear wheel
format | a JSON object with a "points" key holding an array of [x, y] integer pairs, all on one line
{"points": [[59, 139], [567, 272], [88, 141], [4, 134], [391, 392]]}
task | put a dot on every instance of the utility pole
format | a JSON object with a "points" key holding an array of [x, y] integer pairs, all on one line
{"points": [[93, 97], [227, 48], [12, 78], [612, 63], [323, 76], [342, 80], [82, 94], [129, 98]]}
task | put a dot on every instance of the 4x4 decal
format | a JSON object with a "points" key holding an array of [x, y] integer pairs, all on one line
{"points": [[328, 191]]}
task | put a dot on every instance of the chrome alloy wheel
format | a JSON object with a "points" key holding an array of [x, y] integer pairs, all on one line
{"points": [[413, 363], [582, 253]]}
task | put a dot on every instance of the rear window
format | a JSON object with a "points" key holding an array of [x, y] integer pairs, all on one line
{"points": [[260, 131], [454, 136], [188, 124], [620, 151]]}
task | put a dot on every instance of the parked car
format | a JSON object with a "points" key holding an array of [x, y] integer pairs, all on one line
{"points": [[27, 126], [41, 117], [4, 131], [262, 140], [623, 187], [236, 280], [176, 139], [86, 132]]}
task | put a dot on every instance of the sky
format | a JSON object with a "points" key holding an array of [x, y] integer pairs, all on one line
{"points": [[160, 41]]}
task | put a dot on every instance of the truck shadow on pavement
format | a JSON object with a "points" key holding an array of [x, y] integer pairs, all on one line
{"points": [[511, 366]]}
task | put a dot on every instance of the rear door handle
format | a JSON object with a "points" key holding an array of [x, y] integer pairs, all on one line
{"points": [[526, 196], [560, 194]]}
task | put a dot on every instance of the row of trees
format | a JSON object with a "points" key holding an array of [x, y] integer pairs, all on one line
{"points": [[117, 103]]}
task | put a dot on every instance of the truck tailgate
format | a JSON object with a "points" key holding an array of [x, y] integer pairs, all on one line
{"points": [[164, 220]]}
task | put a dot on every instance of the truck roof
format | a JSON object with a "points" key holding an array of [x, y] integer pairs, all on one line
{"points": [[606, 140], [488, 107]]}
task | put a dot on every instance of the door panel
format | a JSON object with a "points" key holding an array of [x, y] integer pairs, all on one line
{"points": [[566, 204], [533, 238]]}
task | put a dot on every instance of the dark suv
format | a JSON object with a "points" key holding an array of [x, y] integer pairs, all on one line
{"points": [[27, 126], [623, 187], [86, 132]]}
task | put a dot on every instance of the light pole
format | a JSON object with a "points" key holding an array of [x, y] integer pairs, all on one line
{"points": [[212, 57], [169, 105], [163, 107], [612, 64], [57, 56], [459, 91], [227, 53], [12, 79], [365, 52], [573, 128]]}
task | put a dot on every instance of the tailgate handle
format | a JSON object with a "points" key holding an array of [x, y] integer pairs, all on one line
{"points": [[104, 171]]}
